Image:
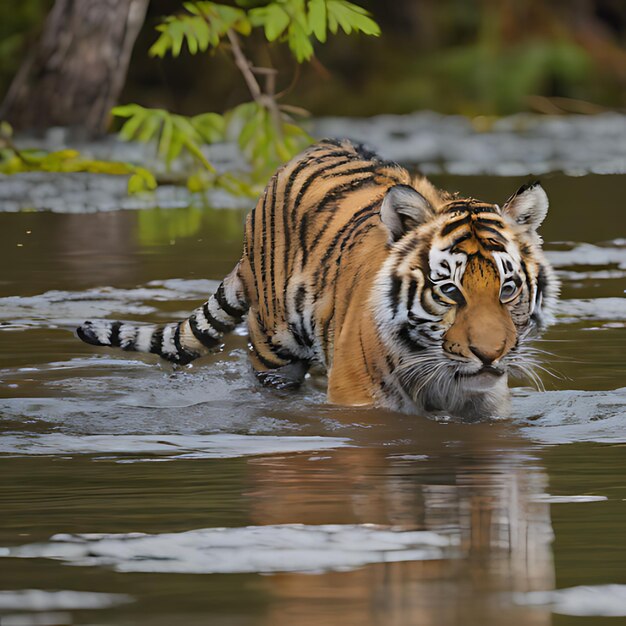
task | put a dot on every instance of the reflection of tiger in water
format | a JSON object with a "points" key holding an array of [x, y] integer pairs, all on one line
{"points": [[412, 298]]}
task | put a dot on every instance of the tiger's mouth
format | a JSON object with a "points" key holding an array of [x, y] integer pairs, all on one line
{"points": [[486, 372]]}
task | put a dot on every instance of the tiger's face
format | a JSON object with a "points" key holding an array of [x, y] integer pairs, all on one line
{"points": [[465, 286]]}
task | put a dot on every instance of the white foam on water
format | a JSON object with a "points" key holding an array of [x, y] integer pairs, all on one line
{"points": [[576, 310], [170, 447], [45, 600], [250, 549], [589, 254], [604, 274], [584, 601], [70, 308], [550, 499], [567, 416]]}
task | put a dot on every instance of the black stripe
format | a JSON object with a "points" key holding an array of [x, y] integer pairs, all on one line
{"points": [[263, 236], [405, 338], [234, 312], [489, 229], [286, 195], [183, 355], [299, 302], [452, 226], [367, 369], [313, 176], [131, 346], [360, 227], [272, 244], [492, 246], [293, 329], [326, 335], [366, 212], [336, 194], [489, 222], [114, 334], [204, 338], [358, 235], [394, 293], [457, 206], [458, 240], [304, 163], [266, 362], [302, 238], [362, 169], [220, 327], [156, 342], [482, 208]]}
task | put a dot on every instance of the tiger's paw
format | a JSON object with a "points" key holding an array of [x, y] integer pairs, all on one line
{"points": [[286, 377]]}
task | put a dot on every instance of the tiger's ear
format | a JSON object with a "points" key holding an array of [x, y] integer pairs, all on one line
{"points": [[528, 206], [403, 209]]}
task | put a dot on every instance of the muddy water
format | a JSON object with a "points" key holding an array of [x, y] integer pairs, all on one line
{"points": [[134, 494]]}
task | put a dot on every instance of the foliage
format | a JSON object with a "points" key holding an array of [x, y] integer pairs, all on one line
{"points": [[14, 160], [173, 133], [265, 131], [205, 24]]}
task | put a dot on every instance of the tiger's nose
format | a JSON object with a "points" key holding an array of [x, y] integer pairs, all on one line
{"points": [[486, 356]]}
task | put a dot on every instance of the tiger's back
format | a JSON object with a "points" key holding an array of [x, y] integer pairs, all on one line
{"points": [[313, 244]]}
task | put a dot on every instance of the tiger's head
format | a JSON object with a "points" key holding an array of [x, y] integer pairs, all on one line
{"points": [[466, 284]]}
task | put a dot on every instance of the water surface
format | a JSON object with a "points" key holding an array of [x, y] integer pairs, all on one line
{"points": [[135, 494]]}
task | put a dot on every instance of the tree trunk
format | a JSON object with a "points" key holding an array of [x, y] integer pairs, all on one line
{"points": [[77, 70]]}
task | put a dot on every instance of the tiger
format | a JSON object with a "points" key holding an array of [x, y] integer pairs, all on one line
{"points": [[411, 298]]}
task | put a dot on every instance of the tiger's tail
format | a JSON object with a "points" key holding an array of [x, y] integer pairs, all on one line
{"points": [[179, 342]]}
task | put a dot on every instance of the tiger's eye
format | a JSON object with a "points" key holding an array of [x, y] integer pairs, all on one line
{"points": [[451, 292], [508, 291]]}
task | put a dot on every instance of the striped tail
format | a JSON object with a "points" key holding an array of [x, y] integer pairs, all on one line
{"points": [[178, 342]]}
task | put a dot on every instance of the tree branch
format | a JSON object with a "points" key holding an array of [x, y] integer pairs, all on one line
{"points": [[245, 67], [266, 99]]}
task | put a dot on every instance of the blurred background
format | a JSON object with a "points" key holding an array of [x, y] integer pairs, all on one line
{"points": [[471, 57]]}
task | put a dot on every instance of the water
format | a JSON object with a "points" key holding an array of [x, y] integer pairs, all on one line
{"points": [[135, 494]]}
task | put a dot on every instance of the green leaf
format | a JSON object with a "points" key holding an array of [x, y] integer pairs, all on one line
{"points": [[317, 19], [350, 17], [160, 47], [192, 8], [142, 180], [136, 184], [177, 33], [299, 42], [166, 139], [125, 110], [202, 34], [131, 126], [150, 127], [210, 126], [273, 18], [176, 147]]}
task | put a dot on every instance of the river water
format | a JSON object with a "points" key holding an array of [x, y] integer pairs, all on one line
{"points": [[134, 494]]}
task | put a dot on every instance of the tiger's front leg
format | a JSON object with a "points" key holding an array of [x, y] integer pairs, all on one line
{"points": [[273, 366]]}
